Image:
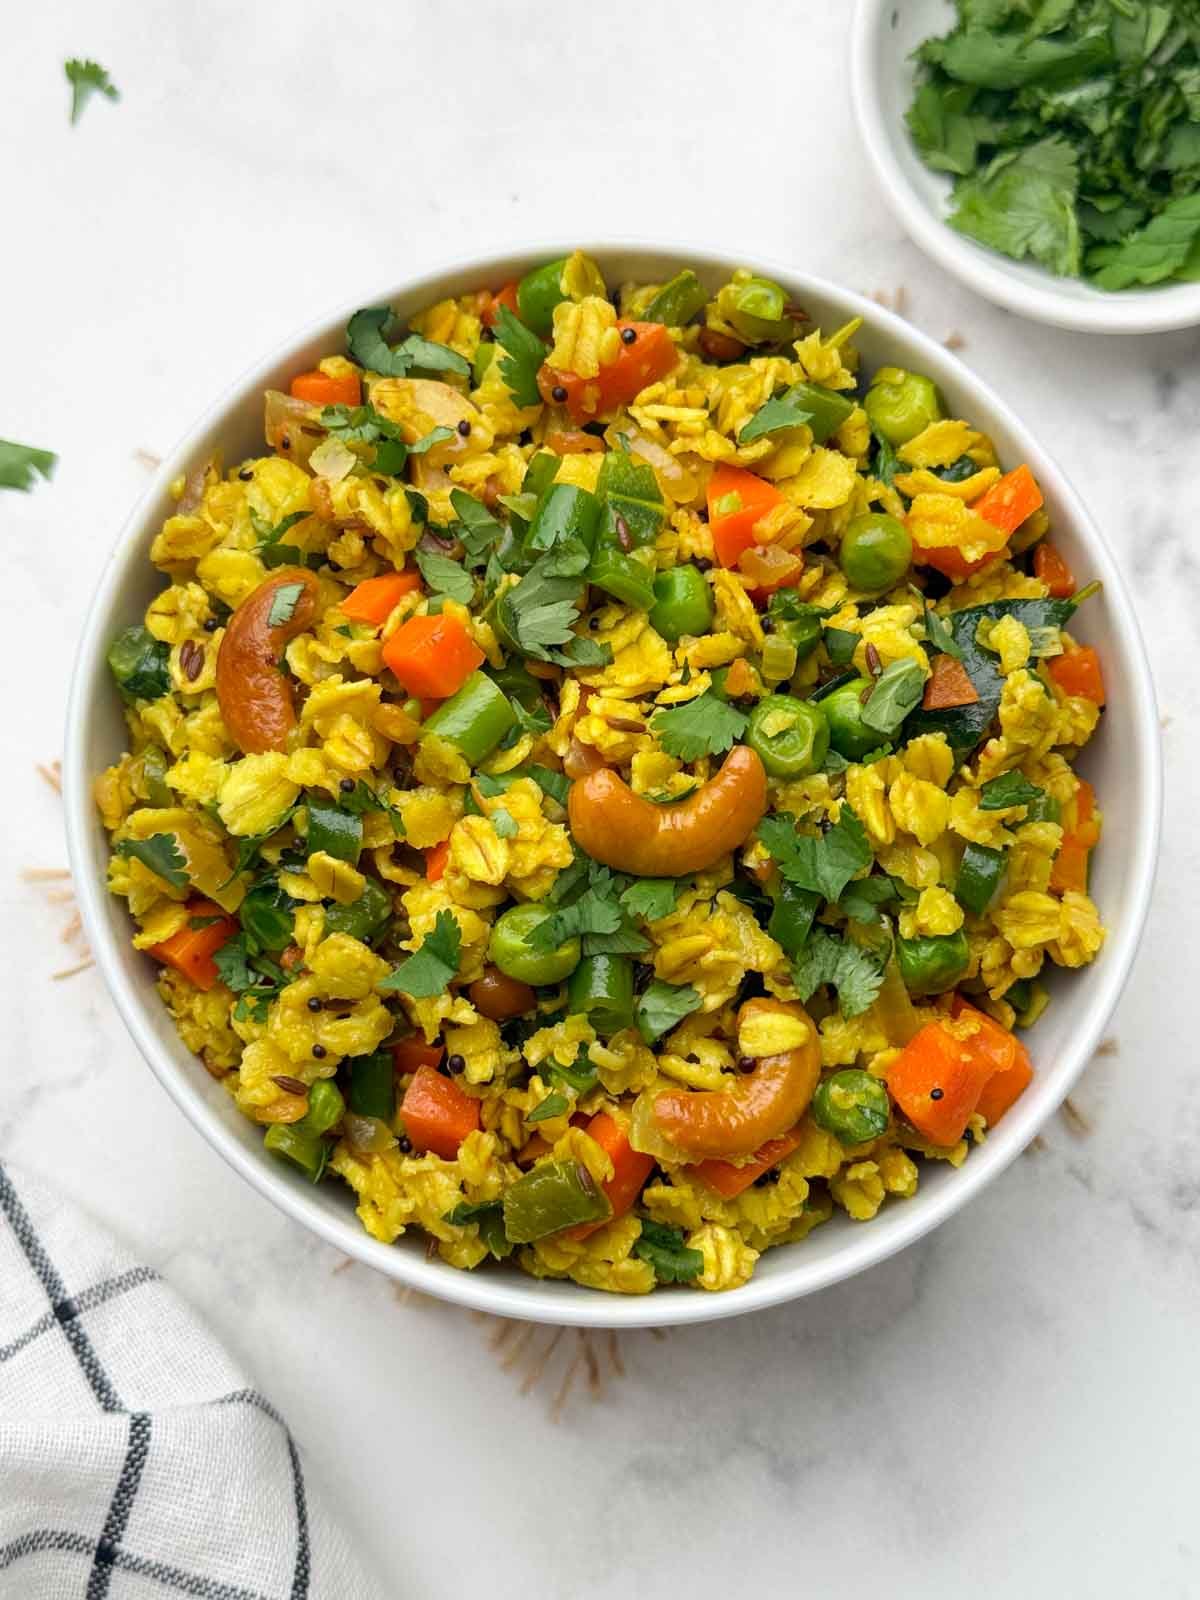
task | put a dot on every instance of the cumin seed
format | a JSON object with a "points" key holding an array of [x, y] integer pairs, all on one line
{"points": [[874, 665], [290, 1085]]}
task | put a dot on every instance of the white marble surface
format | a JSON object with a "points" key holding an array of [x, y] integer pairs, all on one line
{"points": [[1010, 1406]]}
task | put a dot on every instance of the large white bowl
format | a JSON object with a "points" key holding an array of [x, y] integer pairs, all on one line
{"points": [[1123, 762], [882, 76]]}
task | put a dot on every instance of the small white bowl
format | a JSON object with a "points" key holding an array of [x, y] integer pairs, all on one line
{"points": [[1124, 762], [883, 74]]}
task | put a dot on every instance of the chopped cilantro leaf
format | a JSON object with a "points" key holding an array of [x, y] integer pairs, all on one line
{"points": [[702, 727], [430, 969], [283, 604], [855, 973], [524, 354], [503, 823], [552, 1106], [651, 898], [233, 963], [941, 635], [367, 343], [477, 528], [556, 784], [488, 1217], [785, 411], [897, 691], [445, 576], [664, 1249], [1010, 789], [594, 912], [160, 853], [662, 1006], [824, 864]]}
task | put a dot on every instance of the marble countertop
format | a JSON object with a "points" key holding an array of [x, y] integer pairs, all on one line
{"points": [[1008, 1405]]}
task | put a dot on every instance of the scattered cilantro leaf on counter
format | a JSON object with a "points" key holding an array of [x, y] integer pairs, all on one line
{"points": [[431, 967], [824, 864], [664, 1249], [160, 853], [86, 79], [704, 726], [524, 353], [22, 464], [855, 973], [662, 1006], [445, 576]]}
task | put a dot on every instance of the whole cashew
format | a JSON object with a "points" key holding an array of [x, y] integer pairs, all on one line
{"points": [[254, 695], [625, 831]]}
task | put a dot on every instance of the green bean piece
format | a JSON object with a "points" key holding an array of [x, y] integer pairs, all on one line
{"points": [[901, 404], [338, 833], [510, 950], [301, 1142], [363, 919], [474, 720], [790, 736], [852, 1105], [933, 963], [979, 875], [678, 301], [555, 1195], [683, 603], [373, 1085], [601, 989], [538, 293]]}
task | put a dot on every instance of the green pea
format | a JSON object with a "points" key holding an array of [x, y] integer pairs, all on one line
{"points": [[757, 310], [848, 733], [852, 1105], [790, 736], [538, 293], [683, 603], [900, 404], [933, 963], [509, 948], [876, 552]]}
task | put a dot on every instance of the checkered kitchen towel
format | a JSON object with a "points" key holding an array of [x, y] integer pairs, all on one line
{"points": [[136, 1462]]}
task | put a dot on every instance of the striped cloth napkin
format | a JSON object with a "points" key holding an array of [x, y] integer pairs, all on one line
{"points": [[136, 1461]]}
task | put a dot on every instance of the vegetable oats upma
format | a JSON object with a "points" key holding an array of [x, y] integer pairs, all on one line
{"points": [[600, 785]]}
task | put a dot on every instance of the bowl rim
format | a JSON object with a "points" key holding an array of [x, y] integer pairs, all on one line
{"points": [[1162, 309], [512, 1295]]}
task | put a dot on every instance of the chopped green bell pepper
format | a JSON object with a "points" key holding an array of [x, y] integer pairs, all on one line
{"points": [[373, 1085], [364, 918], [979, 877], [554, 1196], [538, 293], [474, 720], [338, 833], [678, 301]]}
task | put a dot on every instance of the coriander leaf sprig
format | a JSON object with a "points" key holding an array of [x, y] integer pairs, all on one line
{"points": [[22, 464], [86, 79]]}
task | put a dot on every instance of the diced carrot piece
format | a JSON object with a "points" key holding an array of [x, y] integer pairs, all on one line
{"points": [[737, 501], [436, 1113], [1054, 572], [1085, 828], [739, 680], [191, 950], [435, 861], [1078, 673], [1070, 868], [936, 1083], [319, 389], [503, 297], [1010, 1069], [649, 357], [1010, 501], [952, 564], [412, 1053], [375, 599], [949, 685], [630, 1170], [432, 656], [729, 1180]]}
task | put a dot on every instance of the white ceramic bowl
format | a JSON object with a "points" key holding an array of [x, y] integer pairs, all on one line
{"points": [[883, 37], [1123, 762]]}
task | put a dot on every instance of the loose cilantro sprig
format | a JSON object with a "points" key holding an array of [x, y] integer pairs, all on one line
{"points": [[663, 1006], [86, 79], [22, 464], [824, 864], [366, 340], [855, 973], [429, 970], [445, 576]]}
